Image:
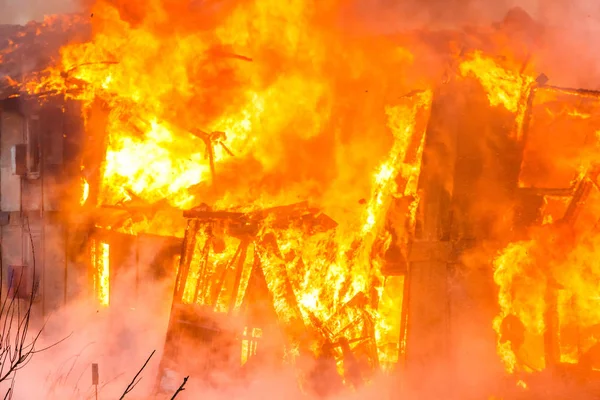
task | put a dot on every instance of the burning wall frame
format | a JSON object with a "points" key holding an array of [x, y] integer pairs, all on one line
{"points": [[117, 266], [563, 122], [35, 191], [440, 240], [205, 296], [406, 153]]}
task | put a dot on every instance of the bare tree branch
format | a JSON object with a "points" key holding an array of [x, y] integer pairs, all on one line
{"points": [[17, 346], [181, 387], [135, 379], [59, 377]]}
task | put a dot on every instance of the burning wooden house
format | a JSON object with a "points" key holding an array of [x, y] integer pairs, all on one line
{"points": [[370, 235], [425, 257]]}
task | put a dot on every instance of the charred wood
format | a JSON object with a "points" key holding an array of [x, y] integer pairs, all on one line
{"points": [[583, 191], [578, 92]]}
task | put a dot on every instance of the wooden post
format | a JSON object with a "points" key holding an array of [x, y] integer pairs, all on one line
{"points": [[426, 322], [95, 378]]}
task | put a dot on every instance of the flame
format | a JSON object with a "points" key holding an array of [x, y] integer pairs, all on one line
{"points": [[149, 96], [547, 281], [260, 109], [503, 86], [315, 278], [249, 343], [100, 259], [389, 322], [512, 264], [154, 82], [532, 273], [579, 114], [262, 104], [85, 191], [176, 165], [104, 276]]}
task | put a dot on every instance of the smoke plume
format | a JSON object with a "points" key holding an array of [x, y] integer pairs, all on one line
{"points": [[20, 12]]}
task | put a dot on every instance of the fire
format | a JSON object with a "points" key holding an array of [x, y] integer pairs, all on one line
{"points": [[259, 78], [388, 322], [534, 281], [153, 97], [85, 191], [167, 176], [262, 106], [325, 280], [515, 268], [249, 343], [547, 295], [104, 274], [503, 86], [100, 261]]}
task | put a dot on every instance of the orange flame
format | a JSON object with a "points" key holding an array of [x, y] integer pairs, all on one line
{"points": [[248, 112], [504, 87], [323, 272], [514, 266]]}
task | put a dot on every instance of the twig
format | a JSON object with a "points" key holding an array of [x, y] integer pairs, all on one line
{"points": [[181, 387], [15, 350], [135, 379]]}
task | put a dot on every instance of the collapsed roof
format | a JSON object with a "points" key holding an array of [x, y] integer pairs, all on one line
{"points": [[30, 48]]}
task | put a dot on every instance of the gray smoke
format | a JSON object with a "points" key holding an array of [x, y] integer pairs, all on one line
{"points": [[22, 11], [391, 15]]}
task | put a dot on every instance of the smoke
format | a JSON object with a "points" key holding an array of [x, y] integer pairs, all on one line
{"points": [[567, 53], [21, 12], [119, 339], [391, 15]]}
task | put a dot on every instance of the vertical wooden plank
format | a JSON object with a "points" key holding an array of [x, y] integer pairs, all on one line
{"points": [[11, 133], [485, 180], [427, 292]]}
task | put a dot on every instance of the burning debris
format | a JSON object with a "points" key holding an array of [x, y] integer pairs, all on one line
{"points": [[29, 49]]}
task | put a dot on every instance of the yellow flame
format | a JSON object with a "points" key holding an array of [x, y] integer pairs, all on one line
{"points": [[387, 333], [85, 191], [522, 290], [104, 274], [320, 287], [155, 151], [503, 87], [250, 344]]}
